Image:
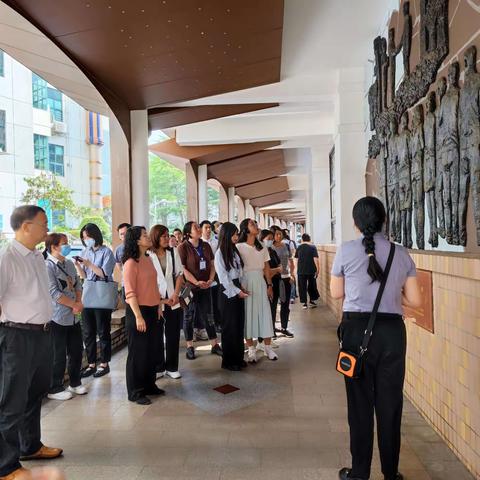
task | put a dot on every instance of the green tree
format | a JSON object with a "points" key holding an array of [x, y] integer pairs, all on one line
{"points": [[213, 204], [168, 196]]}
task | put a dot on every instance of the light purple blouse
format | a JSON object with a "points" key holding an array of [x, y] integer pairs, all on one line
{"points": [[351, 262]]}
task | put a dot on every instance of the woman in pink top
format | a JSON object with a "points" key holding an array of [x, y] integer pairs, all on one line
{"points": [[142, 314]]}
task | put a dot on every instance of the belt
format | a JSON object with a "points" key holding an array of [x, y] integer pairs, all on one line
{"points": [[43, 327]]}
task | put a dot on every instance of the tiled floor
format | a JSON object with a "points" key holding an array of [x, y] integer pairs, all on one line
{"points": [[287, 421]]}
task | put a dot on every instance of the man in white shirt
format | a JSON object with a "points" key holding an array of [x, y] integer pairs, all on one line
{"points": [[25, 349]]}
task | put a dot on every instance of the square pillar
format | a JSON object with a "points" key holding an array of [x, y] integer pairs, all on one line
{"points": [[192, 191], [202, 193], [231, 204]]}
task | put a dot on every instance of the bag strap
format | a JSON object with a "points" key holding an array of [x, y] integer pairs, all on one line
{"points": [[173, 267], [373, 315]]}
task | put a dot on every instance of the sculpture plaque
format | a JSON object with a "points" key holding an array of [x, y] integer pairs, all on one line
{"points": [[404, 181], [393, 198], [441, 89], [417, 151]]}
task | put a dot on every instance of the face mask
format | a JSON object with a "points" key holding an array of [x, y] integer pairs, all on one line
{"points": [[268, 243], [65, 250], [90, 242]]}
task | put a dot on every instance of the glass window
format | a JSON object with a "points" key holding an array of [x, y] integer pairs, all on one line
{"points": [[2, 64], [58, 218], [3, 133], [39, 92], [55, 159], [40, 151], [55, 102]]}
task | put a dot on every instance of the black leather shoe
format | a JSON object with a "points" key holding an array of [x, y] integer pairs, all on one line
{"points": [[88, 372], [244, 364], [190, 353], [232, 368], [143, 401], [287, 333], [217, 350], [101, 371], [155, 391], [344, 474], [399, 476]]}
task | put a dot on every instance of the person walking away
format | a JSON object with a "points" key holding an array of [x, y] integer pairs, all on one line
{"points": [[96, 263], [66, 292], [287, 279], [199, 270], [229, 267], [308, 267], [25, 343], [258, 313], [357, 272], [141, 316], [170, 281]]}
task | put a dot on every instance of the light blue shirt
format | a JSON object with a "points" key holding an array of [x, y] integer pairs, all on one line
{"points": [[102, 258], [226, 277]]}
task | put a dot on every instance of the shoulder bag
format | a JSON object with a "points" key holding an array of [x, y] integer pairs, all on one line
{"points": [[100, 293], [350, 363]]}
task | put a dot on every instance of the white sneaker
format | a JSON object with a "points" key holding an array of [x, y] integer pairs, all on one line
{"points": [[274, 344], [174, 375], [304, 306], [260, 346], [270, 353], [252, 354], [161, 374], [80, 390], [62, 396]]}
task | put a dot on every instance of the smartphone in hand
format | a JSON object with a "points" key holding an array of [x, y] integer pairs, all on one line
{"points": [[77, 258]]}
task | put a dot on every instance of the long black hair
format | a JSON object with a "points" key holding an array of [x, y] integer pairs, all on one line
{"points": [[243, 236], [227, 248], [92, 231], [264, 234], [187, 230], [369, 217], [132, 250]]}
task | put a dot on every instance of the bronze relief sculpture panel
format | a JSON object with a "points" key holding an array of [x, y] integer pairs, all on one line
{"points": [[418, 196]]}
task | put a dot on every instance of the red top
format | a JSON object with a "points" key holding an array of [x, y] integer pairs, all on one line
{"points": [[140, 281]]}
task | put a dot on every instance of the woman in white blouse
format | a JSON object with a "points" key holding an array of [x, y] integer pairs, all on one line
{"points": [[170, 281], [258, 315], [229, 268]]}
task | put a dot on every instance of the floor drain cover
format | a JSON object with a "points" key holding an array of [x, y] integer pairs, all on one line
{"points": [[226, 389]]}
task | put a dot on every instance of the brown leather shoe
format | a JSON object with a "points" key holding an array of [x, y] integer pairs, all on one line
{"points": [[19, 474], [45, 453]]}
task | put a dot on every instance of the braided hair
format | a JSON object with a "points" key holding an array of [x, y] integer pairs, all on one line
{"points": [[369, 217]]}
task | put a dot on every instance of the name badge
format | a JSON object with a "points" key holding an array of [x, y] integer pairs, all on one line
{"points": [[203, 265]]}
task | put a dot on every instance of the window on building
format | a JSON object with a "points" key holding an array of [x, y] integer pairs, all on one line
{"points": [[39, 92], [3, 131], [55, 159], [333, 213], [2, 64], [40, 151], [55, 102], [58, 218]]}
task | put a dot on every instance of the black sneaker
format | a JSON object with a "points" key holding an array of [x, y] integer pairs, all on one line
{"points": [[190, 353], [101, 371], [344, 474], [313, 304], [217, 350], [143, 401], [304, 306], [399, 476], [88, 371], [155, 391], [287, 333]]}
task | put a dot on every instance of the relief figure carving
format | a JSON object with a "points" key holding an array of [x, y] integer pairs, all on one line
{"points": [[448, 139], [406, 42], [429, 167], [441, 89], [417, 152], [469, 130], [392, 66], [393, 198], [404, 181]]}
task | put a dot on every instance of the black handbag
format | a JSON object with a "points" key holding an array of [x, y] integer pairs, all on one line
{"points": [[350, 364]]}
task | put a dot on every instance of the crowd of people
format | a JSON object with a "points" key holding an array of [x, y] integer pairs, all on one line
{"points": [[208, 279]]}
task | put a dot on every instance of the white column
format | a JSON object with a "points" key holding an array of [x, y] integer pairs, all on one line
{"points": [[231, 204], [320, 196], [202, 193], [139, 155], [350, 149]]}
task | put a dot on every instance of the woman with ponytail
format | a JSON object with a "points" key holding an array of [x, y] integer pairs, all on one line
{"points": [[357, 272]]}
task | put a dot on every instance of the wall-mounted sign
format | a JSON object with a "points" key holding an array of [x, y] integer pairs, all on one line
{"points": [[423, 315]]}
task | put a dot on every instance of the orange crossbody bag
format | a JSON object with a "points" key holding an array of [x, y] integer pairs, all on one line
{"points": [[350, 363]]}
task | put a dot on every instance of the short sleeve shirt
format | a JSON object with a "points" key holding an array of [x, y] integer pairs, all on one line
{"points": [[119, 251], [102, 258], [351, 262], [253, 259], [306, 263], [283, 252], [191, 257]]}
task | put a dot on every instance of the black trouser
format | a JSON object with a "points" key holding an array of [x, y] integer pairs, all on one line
{"points": [[140, 369], [307, 284], [217, 314], [284, 306], [66, 343], [167, 351], [201, 306], [379, 390], [25, 373], [97, 321], [233, 329]]}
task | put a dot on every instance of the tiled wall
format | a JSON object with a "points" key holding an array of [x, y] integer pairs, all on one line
{"points": [[443, 369]]}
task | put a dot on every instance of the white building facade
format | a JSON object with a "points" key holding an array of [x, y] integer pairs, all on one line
{"points": [[42, 129]]}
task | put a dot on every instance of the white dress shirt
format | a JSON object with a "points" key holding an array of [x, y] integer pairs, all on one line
{"points": [[213, 242], [226, 277], [24, 286], [165, 283]]}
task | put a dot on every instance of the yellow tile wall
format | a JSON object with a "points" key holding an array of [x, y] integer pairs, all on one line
{"points": [[443, 368]]}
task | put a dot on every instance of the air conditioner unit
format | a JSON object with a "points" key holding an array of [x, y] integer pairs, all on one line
{"points": [[59, 128]]}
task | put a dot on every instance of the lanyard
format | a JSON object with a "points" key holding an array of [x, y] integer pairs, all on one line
{"points": [[199, 250]]}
